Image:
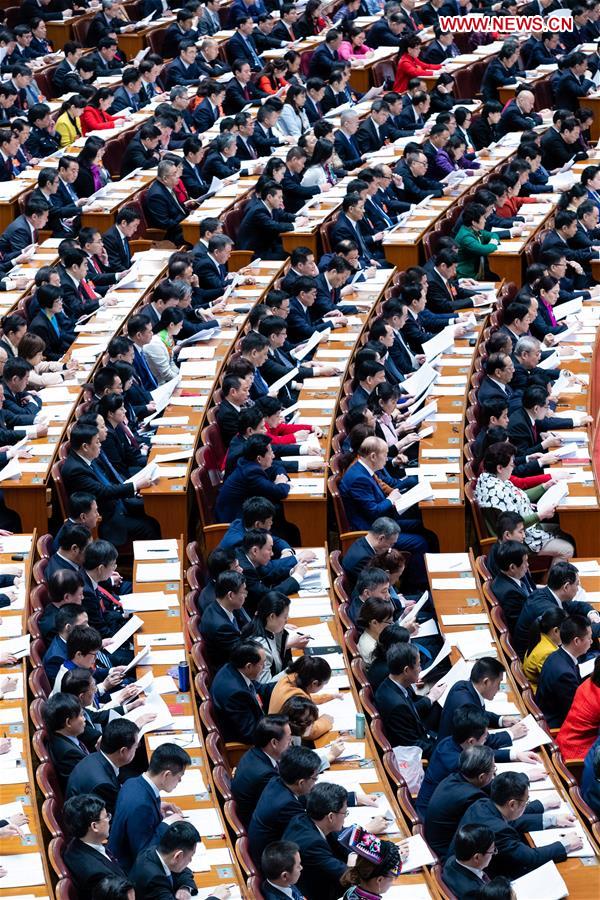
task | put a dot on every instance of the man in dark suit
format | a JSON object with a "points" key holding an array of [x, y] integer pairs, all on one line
{"points": [[351, 225], [141, 818], [235, 394], [561, 147], [324, 859], [508, 800], [162, 871], [326, 55], [116, 239], [82, 471], [444, 293], [88, 824], [241, 45], [483, 684], [413, 115], [254, 556], [407, 717], [65, 723], [161, 206], [416, 186], [281, 867], [263, 224], [105, 23], [20, 406], [371, 132], [263, 137], [527, 423], [381, 537], [142, 150], [235, 692], [345, 142], [464, 872], [209, 61], [295, 194], [24, 230], [33, 9], [441, 49], [180, 30], [562, 586], [500, 72], [283, 797], [221, 161], [560, 676], [240, 90], [519, 115], [222, 622], [207, 112], [98, 773], [499, 370], [572, 85], [183, 69], [454, 794], [191, 174], [512, 586], [260, 764]]}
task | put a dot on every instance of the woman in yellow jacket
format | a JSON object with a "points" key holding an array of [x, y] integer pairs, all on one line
{"points": [[305, 677], [68, 124], [544, 639]]}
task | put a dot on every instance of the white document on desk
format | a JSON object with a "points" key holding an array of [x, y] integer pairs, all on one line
{"points": [[552, 497], [419, 854], [23, 870], [155, 550], [315, 339], [148, 602], [448, 562], [439, 343], [124, 634], [147, 572], [535, 737], [421, 491], [544, 883], [550, 835], [343, 712]]}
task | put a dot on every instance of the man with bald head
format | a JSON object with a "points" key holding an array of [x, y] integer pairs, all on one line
{"points": [[519, 115], [369, 492]]}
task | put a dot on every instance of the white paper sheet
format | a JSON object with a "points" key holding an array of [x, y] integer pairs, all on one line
{"points": [[544, 883], [147, 572]]}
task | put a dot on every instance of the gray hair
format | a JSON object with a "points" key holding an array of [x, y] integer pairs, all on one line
{"points": [[385, 527], [165, 167], [223, 141], [526, 344], [475, 761], [178, 91], [347, 116]]}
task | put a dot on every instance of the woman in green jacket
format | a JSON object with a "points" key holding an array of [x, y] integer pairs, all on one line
{"points": [[474, 243]]}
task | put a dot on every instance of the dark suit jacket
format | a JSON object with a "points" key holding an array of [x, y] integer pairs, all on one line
{"points": [[220, 634], [559, 679], [276, 807], [496, 75], [118, 258], [367, 138], [88, 866], [324, 860], [322, 62], [511, 597], [193, 181], [358, 555], [177, 73], [446, 807], [348, 151], [136, 156], [569, 89], [490, 390], [219, 166], [78, 476], [137, 822], [514, 857], [99, 28], [253, 772], [537, 604], [205, 116], [261, 580], [295, 194], [513, 119], [462, 882], [404, 721], [94, 775], [299, 324], [464, 694], [65, 755], [556, 152], [227, 420], [237, 48], [56, 344], [235, 97], [151, 882], [15, 238], [237, 709], [163, 211], [261, 232]]}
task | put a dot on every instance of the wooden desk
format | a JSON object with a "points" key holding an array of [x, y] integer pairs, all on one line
{"points": [[31, 843]]}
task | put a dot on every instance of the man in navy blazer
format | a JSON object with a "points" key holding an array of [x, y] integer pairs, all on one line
{"points": [[98, 773], [562, 586], [364, 499], [260, 764], [409, 720], [344, 140], [223, 621], [465, 875], [499, 370], [511, 586], [324, 859], [263, 224], [560, 676], [251, 479], [236, 694], [241, 46], [183, 69], [140, 816], [381, 537], [161, 206], [326, 55], [371, 133], [453, 796], [281, 867], [484, 684], [86, 855], [283, 797]]}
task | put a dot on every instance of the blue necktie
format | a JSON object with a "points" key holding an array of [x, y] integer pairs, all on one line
{"points": [[150, 379], [105, 461], [54, 323], [260, 383], [99, 473]]}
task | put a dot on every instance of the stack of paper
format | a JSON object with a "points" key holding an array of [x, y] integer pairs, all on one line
{"points": [[544, 883]]}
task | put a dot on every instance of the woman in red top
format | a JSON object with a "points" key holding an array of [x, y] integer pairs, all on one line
{"points": [[581, 727], [273, 77], [95, 116], [410, 66], [278, 431]]}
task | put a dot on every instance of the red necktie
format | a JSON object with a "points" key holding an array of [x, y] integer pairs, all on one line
{"points": [[246, 93], [111, 601], [87, 288]]}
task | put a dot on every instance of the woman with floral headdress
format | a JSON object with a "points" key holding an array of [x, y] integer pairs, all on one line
{"points": [[378, 864]]}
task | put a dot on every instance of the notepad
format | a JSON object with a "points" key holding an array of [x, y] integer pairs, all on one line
{"points": [[535, 737], [146, 572], [349, 778], [155, 550], [164, 657], [206, 821], [307, 607], [550, 835], [22, 870], [183, 437], [191, 784], [448, 562], [544, 883], [343, 712], [419, 854], [465, 619], [474, 644], [14, 775], [168, 639]]}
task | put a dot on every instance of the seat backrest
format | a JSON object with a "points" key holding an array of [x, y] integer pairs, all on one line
{"points": [[39, 569], [215, 449], [61, 492], [66, 890], [39, 684], [325, 232], [55, 855], [205, 495], [222, 782], [40, 745], [383, 71], [338, 505], [48, 782], [39, 597], [44, 545], [52, 816], [242, 851]]}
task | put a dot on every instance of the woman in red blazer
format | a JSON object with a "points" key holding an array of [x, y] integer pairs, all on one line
{"points": [[95, 117], [410, 66], [582, 725]]}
